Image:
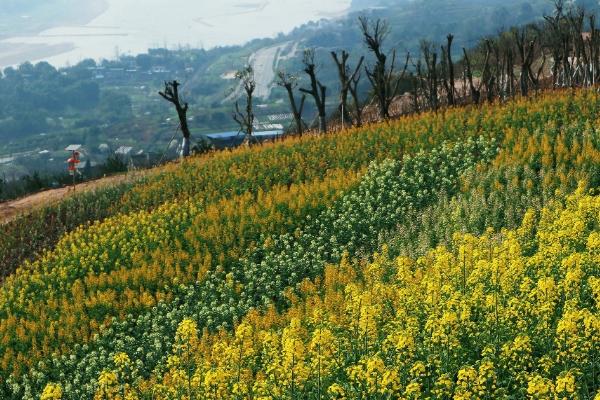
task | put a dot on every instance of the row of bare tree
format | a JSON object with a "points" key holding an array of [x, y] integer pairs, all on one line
{"points": [[561, 51], [382, 75]]}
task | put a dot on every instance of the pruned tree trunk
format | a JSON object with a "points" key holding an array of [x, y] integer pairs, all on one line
{"points": [[475, 92], [171, 94], [494, 86], [358, 107], [431, 80], [382, 78], [322, 124], [415, 94], [447, 66], [289, 83], [486, 75], [526, 53], [245, 119], [317, 90], [185, 147], [346, 78], [594, 49]]}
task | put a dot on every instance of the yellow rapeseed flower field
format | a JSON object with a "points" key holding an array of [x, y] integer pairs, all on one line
{"points": [[481, 319], [208, 279]]}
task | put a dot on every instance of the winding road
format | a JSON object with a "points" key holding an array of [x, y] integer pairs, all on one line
{"points": [[265, 62]]}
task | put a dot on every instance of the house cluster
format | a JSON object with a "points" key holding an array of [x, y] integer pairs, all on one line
{"points": [[130, 73]]}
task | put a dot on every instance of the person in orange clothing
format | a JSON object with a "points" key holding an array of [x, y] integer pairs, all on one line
{"points": [[72, 166]]}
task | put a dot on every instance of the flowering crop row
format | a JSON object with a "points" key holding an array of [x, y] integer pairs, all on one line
{"points": [[24, 237], [219, 175], [500, 193], [126, 264], [224, 174], [301, 159], [145, 259], [527, 174], [351, 224], [484, 319], [297, 160]]}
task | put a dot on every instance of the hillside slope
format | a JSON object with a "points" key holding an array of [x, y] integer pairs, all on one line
{"points": [[504, 314], [234, 239], [9, 210]]}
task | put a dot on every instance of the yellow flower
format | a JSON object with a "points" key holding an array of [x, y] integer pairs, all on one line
{"points": [[418, 370], [466, 385], [108, 386], [107, 379], [336, 392], [565, 385], [52, 392], [413, 390], [323, 351], [539, 388], [443, 387], [121, 360]]}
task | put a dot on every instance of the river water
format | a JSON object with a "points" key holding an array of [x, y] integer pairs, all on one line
{"points": [[133, 26]]}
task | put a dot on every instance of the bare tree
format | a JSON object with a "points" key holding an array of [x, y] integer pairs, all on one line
{"points": [[554, 40], [431, 79], [245, 119], [447, 66], [580, 57], [486, 75], [358, 107], [491, 79], [317, 90], [419, 87], [475, 92], [575, 53], [385, 84], [346, 77], [171, 94], [414, 92], [510, 72], [289, 82], [526, 49], [593, 44]]}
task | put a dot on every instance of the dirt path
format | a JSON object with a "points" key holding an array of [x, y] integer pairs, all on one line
{"points": [[11, 209]]}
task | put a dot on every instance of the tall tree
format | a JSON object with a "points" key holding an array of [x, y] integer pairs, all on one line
{"points": [[385, 85], [245, 118], [346, 77], [171, 94], [317, 90], [290, 82]]}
